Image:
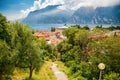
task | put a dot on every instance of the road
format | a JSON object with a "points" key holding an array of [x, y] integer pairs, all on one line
{"points": [[59, 75]]}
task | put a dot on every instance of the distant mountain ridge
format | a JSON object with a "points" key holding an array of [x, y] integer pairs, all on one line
{"points": [[100, 15], [84, 15], [48, 8], [50, 14]]}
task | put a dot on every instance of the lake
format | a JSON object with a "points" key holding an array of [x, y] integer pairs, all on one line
{"points": [[48, 26]]}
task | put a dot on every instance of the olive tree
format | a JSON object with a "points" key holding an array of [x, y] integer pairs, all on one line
{"points": [[6, 52], [29, 52]]}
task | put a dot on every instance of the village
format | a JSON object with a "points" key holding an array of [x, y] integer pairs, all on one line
{"points": [[56, 37], [51, 37]]}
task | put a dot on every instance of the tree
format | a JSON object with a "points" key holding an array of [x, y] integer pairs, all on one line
{"points": [[63, 49], [109, 47], [6, 60], [82, 40], [86, 27], [52, 29], [70, 34], [6, 52], [76, 45], [29, 52], [4, 34], [112, 76], [77, 26]]}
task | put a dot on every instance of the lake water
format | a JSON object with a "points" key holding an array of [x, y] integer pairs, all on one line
{"points": [[48, 26]]}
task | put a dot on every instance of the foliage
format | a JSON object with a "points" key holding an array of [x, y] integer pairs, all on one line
{"points": [[19, 48], [76, 26], [6, 60], [4, 34], [52, 29], [86, 27], [6, 52], [100, 27], [75, 47], [112, 76], [79, 72], [70, 34], [49, 51], [114, 28], [61, 66], [79, 52], [82, 40], [29, 52], [110, 48], [44, 73], [68, 52], [82, 55]]}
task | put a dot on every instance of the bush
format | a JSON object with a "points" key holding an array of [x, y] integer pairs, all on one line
{"points": [[112, 76]]}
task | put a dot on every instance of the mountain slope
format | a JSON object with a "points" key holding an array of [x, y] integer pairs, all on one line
{"points": [[49, 14], [84, 15], [100, 15]]}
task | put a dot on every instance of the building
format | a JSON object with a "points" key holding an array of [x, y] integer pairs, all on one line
{"points": [[51, 37]]}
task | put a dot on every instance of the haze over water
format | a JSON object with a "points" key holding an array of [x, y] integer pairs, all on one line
{"points": [[48, 26]]}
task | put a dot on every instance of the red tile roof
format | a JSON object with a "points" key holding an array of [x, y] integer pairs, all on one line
{"points": [[47, 35]]}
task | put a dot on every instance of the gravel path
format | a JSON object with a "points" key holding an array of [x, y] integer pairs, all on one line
{"points": [[59, 75]]}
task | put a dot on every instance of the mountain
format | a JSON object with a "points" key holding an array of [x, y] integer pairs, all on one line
{"points": [[50, 14], [84, 15], [100, 15]]}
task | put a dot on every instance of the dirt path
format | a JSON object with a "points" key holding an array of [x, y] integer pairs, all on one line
{"points": [[59, 75]]}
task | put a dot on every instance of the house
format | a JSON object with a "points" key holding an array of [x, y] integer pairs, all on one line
{"points": [[51, 37]]}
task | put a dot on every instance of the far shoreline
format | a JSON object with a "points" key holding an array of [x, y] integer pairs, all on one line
{"points": [[48, 26]]}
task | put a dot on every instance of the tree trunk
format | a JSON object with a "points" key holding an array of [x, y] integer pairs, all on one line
{"points": [[31, 70]]}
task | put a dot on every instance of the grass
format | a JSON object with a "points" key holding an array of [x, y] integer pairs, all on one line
{"points": [[45, 73], [19, 74]]}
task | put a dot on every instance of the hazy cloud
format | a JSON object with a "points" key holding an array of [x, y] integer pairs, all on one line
{"points": [[35, 6], [75, 4], [39, 5], [69, 4]]}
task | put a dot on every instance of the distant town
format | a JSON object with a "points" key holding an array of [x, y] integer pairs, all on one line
{"points": [[56, 37], [51, 37]]}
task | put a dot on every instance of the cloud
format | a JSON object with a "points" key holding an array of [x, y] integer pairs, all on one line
{"points": [[51, 2], [69, 4], [35, 6], [75, 4], [39, 5]]}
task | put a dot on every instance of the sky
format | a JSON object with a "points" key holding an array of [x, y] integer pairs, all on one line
{"points": [[17, 9]]}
